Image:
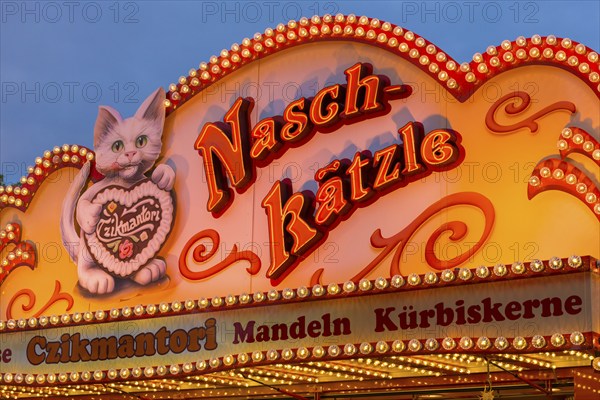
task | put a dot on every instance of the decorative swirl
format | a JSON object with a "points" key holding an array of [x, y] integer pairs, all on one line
{"points": [[562, 175], [23, 253], [577, 140], [201, 255], [458, 231], [31, 300], [315, 279], [518, 106]]}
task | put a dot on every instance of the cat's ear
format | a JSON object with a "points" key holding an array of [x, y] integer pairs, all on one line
{"points": [[153, 109], [108, 118]]}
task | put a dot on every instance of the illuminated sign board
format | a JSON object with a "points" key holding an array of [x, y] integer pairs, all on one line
{"points": [[327, 157]]}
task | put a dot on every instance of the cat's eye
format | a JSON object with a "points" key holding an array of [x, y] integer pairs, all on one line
{"points": [[141, 141], [117, 146]]}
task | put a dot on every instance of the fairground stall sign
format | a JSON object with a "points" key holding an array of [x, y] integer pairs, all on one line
{"points": [[331, 193]]}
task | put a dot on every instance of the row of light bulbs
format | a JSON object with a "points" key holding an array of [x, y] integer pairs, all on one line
{"points": [[466, 343], [425, 55], [276, 377], [20, 195], [554, 170], [317, 291]]}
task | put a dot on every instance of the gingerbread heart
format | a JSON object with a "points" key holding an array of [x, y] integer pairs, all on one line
{"points": [[134, 224]]}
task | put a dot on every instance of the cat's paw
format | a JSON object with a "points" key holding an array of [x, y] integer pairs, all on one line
{"points": [[97, 281], [150, 272], [164, 177], [88, 215]]}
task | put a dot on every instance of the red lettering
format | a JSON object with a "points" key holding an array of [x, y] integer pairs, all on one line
{"points": [[364, 91], [552, 307], [528, 306], [573, 305], [411, 134], [388, 172], [33, 356], [513, 310], [331, 201], [359, 189], [224, 149], [424, 316], [438, 149], [445, 315], [383, 322], [6, 356], [266, 138], [290, 233], [230, 159], [474, 313], [491, 312], [318, 106], [298, 125], [314, 329]]}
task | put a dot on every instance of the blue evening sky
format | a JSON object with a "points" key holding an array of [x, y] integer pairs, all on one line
{"points": [[60, 60]]}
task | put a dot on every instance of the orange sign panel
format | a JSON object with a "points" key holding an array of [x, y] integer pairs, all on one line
{"points": [[294, 160]]}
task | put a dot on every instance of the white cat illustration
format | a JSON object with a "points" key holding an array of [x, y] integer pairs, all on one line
{"points": [[125, 150]]}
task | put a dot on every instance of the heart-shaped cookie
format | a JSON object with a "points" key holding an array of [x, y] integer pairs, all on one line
{"points": [[134, 223]]}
